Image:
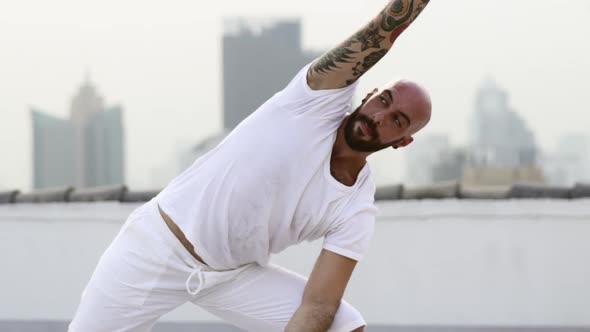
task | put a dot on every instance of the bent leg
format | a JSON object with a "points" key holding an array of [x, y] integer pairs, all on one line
{"points": [[265, 298], [137, 280]]}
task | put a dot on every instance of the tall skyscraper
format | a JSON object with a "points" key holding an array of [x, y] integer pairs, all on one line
{"points": [[499, 136], [256, 65], [53, 162], [86, 150], [105, 153], [502, 149]]}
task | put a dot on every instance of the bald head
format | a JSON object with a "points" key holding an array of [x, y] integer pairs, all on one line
{"points": [[414, 100]]}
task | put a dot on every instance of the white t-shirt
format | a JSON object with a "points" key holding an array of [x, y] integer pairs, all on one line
{"points": [[268, 185]]}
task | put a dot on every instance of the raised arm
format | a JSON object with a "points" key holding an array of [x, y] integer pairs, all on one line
{"points": [[346, 63]]}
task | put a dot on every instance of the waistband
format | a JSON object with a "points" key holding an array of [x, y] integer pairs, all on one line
{"points": [[205, 275]]}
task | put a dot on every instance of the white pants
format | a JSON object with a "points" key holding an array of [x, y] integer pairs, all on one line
{"points": [[146, 272]]}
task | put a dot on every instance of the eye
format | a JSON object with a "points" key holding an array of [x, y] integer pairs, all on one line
{"points": [[383, 101], [396, 119]]}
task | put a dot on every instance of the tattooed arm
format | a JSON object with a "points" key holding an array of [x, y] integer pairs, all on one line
{"points": [[346, 63]]}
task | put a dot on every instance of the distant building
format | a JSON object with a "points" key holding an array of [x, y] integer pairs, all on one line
{"points": [[499, 136], [570, 163], [450, 166], [105, 154], [53, 147], [86, 150], [502, 149], [502, 176], [257, 65], [423, 156]]}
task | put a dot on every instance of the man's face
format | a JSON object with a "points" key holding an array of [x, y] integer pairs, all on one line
{"points": [[388, 117], [361, 133]]}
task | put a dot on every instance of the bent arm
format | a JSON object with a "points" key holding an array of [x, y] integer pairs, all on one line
{"points": [[346, 63], [323, 293]]}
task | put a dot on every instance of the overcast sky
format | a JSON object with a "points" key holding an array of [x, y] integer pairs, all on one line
{"points": [[161, 61]]}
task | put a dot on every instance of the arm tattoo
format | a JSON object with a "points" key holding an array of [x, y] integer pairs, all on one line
{"points": [[368, 38], [399, 12], [366, 47], [368, 62], [328, 61], [399, 15]]}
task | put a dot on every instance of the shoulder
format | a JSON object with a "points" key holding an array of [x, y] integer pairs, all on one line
{"points": [[299, 97], [305, 84]]}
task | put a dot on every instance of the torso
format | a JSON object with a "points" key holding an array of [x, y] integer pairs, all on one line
{"points": [[268, 184]]}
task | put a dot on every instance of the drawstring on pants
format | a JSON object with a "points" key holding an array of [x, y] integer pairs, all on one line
{"points": [[213, 277], [199, 272]]}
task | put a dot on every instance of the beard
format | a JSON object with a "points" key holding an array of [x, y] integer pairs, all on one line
{"points": [[354, 139]]}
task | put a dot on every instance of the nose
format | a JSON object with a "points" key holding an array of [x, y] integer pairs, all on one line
{"points": [[379, 118]]}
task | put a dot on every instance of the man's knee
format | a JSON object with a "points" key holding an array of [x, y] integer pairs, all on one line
{"points": [[360, 329]]}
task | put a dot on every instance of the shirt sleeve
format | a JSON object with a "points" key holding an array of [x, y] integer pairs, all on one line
{"points": [[298, 97], [351, 237]]}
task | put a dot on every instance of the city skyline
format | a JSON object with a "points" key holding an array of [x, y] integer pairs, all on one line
{"points": [[164, 61], [87, 149], [501, 150]]}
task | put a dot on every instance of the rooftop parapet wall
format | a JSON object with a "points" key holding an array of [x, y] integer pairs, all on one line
{"points": [[581, 190], [7, 197], [456, 262], [446, 190], [50, 195], [103, 193]]}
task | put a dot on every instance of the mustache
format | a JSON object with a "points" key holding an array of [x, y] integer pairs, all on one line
{"points": [[370, 123]]}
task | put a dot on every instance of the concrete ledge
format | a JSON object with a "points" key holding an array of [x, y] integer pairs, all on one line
{"points": [[391, 192], [59, 194], [139, 196], [581, 190], [435, 191], [103, 193], [444, 190], [7, 197], [538, 191], [485, 192]]}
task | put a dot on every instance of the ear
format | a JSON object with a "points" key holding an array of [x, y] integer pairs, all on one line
{"points": [[403, 142]]}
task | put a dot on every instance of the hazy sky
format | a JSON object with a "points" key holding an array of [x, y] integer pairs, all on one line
{"points": [[161, 61]]}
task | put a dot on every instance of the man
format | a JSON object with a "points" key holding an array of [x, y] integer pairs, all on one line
{"points": [[294, 170]]}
